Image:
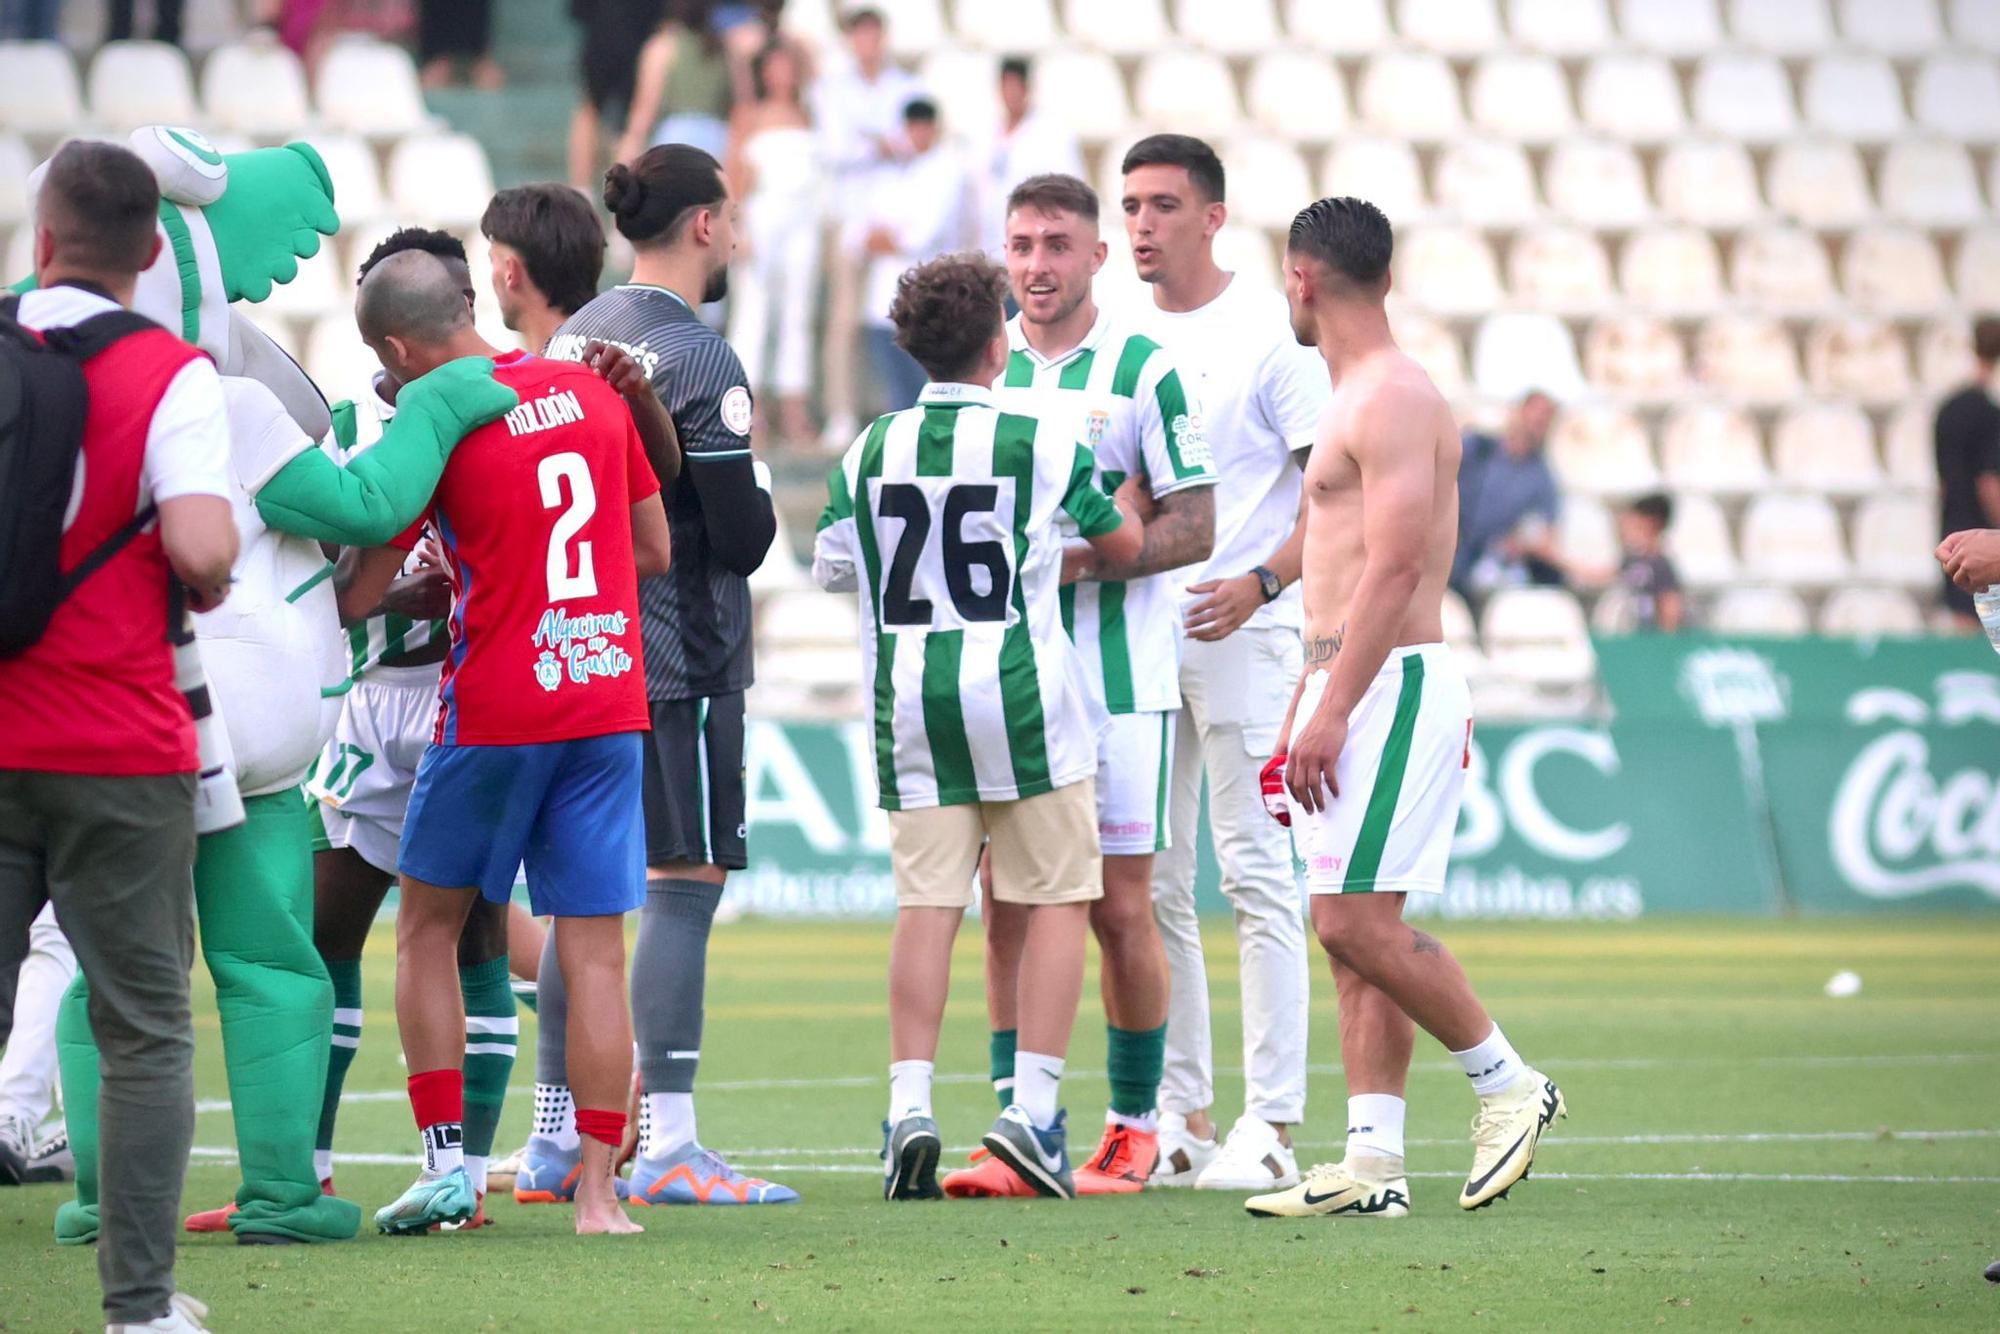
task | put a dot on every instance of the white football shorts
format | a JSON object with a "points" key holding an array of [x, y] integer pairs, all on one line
{"points": [[1135, 764], [363, 778], [1401, 774]]}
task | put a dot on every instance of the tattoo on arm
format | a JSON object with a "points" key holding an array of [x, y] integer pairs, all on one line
{"points": [[1323, 648], [1181, 533], [1421, 943]]}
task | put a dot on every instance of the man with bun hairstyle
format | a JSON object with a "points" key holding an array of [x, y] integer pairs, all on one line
{"points": [[673, 204]]}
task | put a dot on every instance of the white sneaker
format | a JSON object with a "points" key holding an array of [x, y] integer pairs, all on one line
{"points": [[184, 1316], [1182, 1155], [1361, 1186], [1252, 1158], [17, 1145], [1505, 1134]]}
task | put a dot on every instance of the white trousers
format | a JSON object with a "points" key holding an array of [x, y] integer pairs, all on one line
{"points": [[1234, 695], [777, 288], [28, 1067]]}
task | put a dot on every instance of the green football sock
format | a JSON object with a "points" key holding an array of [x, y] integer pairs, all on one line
{"points": [[1000, 1049], [1136, 1059], [346, 975], [491, 1033]]}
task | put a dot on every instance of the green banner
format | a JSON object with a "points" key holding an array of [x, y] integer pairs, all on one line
{"points": [[1874, 766]]}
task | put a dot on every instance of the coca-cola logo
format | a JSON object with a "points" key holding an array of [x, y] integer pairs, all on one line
{"points": [[1897, 829]]}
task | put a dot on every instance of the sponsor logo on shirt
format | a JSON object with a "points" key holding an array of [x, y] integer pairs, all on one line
{"points": [[735, 409], [577, 648], [1094, 427], [571, 347], [553, 409]]}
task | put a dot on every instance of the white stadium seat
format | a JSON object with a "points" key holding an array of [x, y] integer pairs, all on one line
{"points": [[1382, 171], [1189, 90], [1793, 537], [1232, 27], [16, 162], [1893, 27], [1944, 353], [1853, 95], [141, 83], [961, 82], [1537, 636], [1632, 97], [1673, 269], [1749, 357], [1587, 535], [1820, 184], [440, 178], [1600, 450], [41, 94], [369, 88], [1959, 96], [1432, 345], [1907, 450], [1517, 351], [1857, 358], [915, 26], [1560, 269], [1298, 94], [1782, 269], [1092, 97], [1892, 271], [1671, 27], [357, 178], [1560, 27], [1744, 96], [1247, 251], [1975, 23], [1699, 544], [1864, 612], [1447, 270], [1486, 182], [1597, 183], [1018, 25], [1353, 28], [1776, 612], [1454, 27], [1268, 182], [256, 87], [1520, 96], [324, 286], [1459, 630], [1709, 183], [1894, 538], [1826, 447], [336, 358], [1411, 95], [1782, 27], [813, 22], [1121, 27], [1636, 356], [1712, 447]]}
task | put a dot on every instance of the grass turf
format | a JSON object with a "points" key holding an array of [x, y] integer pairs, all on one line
{"points": [[1742, 1151]]}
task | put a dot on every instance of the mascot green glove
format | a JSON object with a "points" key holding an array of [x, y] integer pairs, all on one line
{"points": [[234, 225]]}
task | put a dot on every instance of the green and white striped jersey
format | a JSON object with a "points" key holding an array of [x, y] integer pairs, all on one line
{"points": [[944, 518], [356, 427], [1118, 393]]}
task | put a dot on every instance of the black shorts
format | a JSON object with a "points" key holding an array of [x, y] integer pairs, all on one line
{"points": [[1957, 599], [613, 32], [693, 783]]}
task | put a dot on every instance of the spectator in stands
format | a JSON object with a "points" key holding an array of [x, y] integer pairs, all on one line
{"points": [[858, 106], [774, 167], [1966, 436], [453, 31], [1508, 504], [1025, 144], [97, 745], [683, 94], [613, 33], [29, 20], [1646, 576], [917, 212], [166, 21]]}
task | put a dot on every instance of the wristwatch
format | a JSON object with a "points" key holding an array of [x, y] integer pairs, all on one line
{"points": [[1268, 582]]}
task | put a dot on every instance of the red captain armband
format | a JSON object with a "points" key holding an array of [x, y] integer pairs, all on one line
{"points": [[1271, 781]]}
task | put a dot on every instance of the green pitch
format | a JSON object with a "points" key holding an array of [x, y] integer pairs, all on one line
{"points": [[1741, 1152]]}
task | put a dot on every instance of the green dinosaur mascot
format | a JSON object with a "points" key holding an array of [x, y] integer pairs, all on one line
{"points": [[233, 225]]}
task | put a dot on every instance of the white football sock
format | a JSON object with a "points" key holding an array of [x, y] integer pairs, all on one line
{"points": [[1375, 1125], [1492, 1065], [323, 1163], [1037, 1084], [475, 1167], [909, 1089], [555, 1116], [666, 1122], [444, 1148], [1150, 1122]]}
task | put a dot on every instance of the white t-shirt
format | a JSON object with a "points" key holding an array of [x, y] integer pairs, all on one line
{"points": [[1036, 146], [1261, 395], [924, 201]]}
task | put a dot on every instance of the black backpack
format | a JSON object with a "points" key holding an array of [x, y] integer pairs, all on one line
{"points": [[43, 399]]}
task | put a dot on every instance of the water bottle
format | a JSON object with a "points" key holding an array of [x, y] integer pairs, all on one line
{"points": [[1987, 603]]}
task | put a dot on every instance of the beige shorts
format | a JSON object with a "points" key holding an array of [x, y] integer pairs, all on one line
{"points": [[1044, 850]]}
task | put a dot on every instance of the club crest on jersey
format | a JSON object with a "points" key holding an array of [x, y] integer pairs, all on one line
{"points": [[577, 648], [1094, 427], [548, 672], [553, 409]]}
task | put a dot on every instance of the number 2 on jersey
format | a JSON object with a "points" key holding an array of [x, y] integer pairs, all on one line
{"points": [[582, 504], [910, 504]]}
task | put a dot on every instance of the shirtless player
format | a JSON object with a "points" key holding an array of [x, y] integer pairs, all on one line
{"points": [[1380, 734]]}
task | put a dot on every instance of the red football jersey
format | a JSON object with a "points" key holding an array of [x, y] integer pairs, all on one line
{"points": [[534, 515]]}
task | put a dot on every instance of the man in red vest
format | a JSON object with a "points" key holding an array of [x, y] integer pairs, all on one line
{"points": [[97, 746]]}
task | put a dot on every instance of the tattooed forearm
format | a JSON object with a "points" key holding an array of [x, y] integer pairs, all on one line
{"points": [[1182, 533], [1323, 648], [1420, 943]]}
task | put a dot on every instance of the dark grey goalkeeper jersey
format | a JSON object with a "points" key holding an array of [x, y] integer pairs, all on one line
{"points": [[695, 618]]}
